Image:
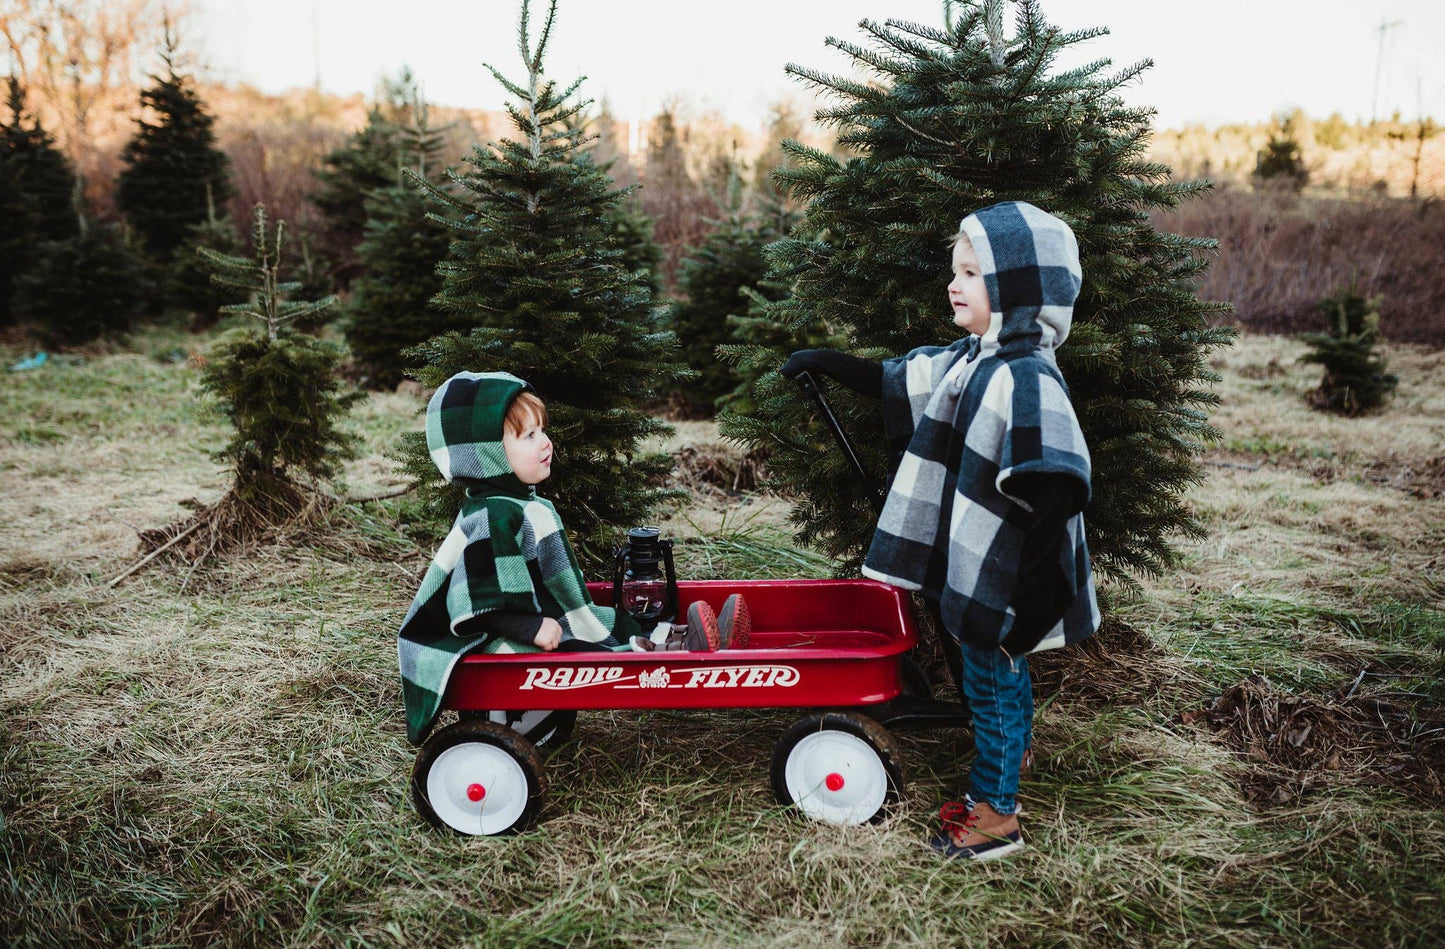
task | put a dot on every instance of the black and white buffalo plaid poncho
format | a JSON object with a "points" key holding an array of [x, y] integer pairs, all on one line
{"points": [[969, 418]]}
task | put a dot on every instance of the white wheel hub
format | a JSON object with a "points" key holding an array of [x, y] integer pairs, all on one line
{"points": [[836, 777], [477, 788]]}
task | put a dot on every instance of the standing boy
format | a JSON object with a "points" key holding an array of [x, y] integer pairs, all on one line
{"points": [[983, 514]]}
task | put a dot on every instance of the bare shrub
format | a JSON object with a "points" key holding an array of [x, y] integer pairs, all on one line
{"points": [[1281, 253]]}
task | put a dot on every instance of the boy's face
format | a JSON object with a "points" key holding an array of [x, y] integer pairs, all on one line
{"points": [[529, 452], [967, 293]]}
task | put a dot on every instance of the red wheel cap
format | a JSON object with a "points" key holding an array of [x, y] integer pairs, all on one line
{"points": [[834, 781], [476, 792]]}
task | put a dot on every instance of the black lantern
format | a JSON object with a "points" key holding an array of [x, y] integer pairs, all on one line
{"points": [[645, 582]]}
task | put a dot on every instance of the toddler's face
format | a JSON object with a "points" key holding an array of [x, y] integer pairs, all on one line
{"points": [[529, 453], [967, 293]]}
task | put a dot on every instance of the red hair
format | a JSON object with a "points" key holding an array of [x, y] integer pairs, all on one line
{"points": [[526, 409]]}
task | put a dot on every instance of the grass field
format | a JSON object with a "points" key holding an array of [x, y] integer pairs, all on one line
{"points": [[1251, 755]]}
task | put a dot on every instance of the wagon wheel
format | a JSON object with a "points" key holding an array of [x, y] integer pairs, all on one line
{"points": [[478, 778], [547, 729], [838, 767]]}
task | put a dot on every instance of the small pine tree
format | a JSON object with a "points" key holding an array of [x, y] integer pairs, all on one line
{"points": [[174, 174], [85, 287], [279, 389], [390, 308], [37, 190], [1281, 161], [534, 268], [1355, 381], [949, 121]]}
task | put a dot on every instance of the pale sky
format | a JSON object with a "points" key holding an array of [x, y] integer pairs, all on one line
{"points": [[1225, 61]]}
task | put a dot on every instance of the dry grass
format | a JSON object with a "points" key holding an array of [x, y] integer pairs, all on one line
{"points": [[226, 765]]}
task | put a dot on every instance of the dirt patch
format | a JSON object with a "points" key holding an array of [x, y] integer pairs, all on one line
{"points": [[234, 521], [1120, 665], [717, 469], [1295, 743], [1422, 477]]}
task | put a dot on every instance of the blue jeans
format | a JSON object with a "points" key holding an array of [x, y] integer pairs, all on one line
{"points": [[1001, 699]]}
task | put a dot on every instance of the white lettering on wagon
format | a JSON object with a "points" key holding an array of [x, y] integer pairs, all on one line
{"points": [[563, 678], [566, 678]]}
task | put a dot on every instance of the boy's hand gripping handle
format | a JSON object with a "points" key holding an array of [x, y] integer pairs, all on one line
{"points": [[815, 392]]}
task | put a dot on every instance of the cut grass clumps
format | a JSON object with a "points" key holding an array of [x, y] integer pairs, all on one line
{"points": [[1298, 743]]}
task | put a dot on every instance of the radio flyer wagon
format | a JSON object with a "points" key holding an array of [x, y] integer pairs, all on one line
{"points": [[838, 649], [835, 649]]}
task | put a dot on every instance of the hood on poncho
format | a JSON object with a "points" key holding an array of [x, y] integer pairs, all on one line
{"points": [[464, 425], [507, 552], [969, 417]]}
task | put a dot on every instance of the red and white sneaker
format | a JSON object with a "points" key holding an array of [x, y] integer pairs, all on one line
{"points": [[703, 634], [735, 623], [976, 832]]}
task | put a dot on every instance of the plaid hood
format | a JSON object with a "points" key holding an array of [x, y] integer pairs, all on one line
{"points": [[464, 424], [970, 417], [1030, 263]]}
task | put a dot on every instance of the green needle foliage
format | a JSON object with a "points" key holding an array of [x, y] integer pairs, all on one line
{"points": [[1355, 381], [715, 281], [367, 162], [85, 287], [174, 173], [948, 121], [535, 268], [190, 285], [280, 388]]}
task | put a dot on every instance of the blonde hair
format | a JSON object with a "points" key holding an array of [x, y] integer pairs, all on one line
{"points": [[525, 410]]}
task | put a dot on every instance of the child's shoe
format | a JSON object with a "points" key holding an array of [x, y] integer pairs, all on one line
{"points": [[702, 634], [976, 832], [735, 623]]}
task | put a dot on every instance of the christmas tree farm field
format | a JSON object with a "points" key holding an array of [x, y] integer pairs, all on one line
{"points": [[1250, 754]]}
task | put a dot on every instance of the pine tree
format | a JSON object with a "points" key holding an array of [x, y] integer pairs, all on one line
{"points": [[677, 203], [37, 192], [632, 228], [174, 173], [1355, 381], [714, 281], [189, 284], [533, 268], [949, 121], [368, 162], [279, 388], [390, 308]]}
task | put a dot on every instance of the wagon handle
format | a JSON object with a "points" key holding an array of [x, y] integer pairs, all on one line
{"points": [[815, 392]]}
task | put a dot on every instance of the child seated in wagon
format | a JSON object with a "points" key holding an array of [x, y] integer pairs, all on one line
{"points": [[505, 579]]}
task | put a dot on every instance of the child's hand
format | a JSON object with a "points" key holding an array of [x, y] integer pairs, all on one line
{"points": [[549, 637], [804, 360]]}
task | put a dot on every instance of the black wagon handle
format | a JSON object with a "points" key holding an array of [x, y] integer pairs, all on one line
{"points": [[815, 392]]}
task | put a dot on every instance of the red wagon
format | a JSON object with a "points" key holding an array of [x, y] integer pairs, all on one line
{"points": [[838, 648]]}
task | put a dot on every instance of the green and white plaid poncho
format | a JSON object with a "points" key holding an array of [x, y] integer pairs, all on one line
{"points": [[507, 552]]}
